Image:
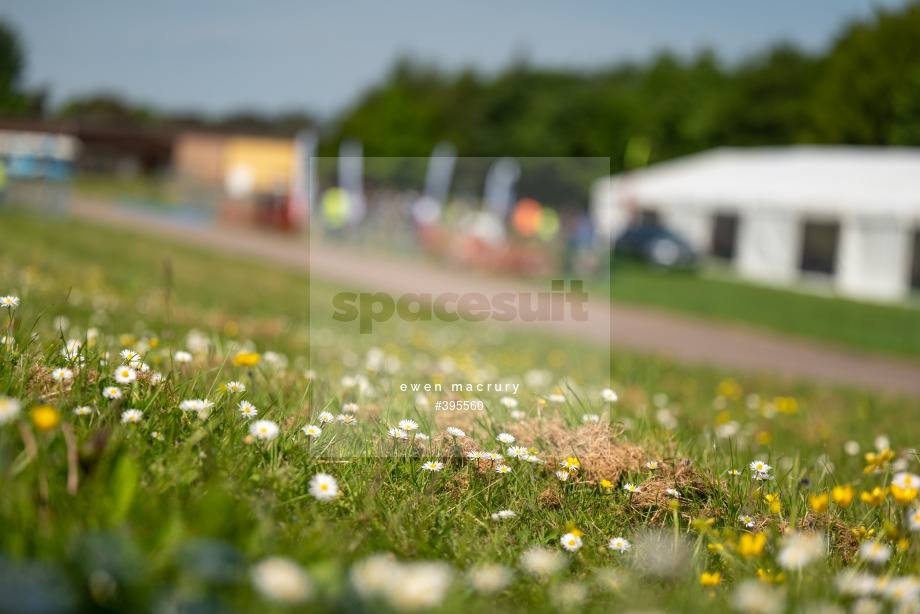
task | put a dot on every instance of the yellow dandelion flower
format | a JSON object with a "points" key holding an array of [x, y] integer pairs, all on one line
{"points": [[710, 579], [819, 503], [843, 495], [751, 545], [45, 417], [246, 359], [878, 461], [903, 496], [873, 498]]}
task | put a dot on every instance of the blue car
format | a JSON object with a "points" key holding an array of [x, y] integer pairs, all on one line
{"points": [[656, 246]]}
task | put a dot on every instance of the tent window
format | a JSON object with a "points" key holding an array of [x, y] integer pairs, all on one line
{"points": [[915, 267], [725, 229], [819, 247]]}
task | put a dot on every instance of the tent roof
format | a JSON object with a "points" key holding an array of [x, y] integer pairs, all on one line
{"points": [[805, 178]]}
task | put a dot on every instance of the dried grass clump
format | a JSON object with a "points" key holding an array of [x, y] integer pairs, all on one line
{"points": [[550, 498], [40, 382], [602, 455]]}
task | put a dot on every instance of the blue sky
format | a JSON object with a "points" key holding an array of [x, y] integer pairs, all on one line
{"points": [[216, 56]]}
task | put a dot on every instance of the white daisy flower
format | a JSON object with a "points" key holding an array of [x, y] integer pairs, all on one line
{"points": [[408, 425], [312, 431], [590, 418], [475, 455], [517, 451], [281, 580], [71, 351], [183, 357], [398, 433], [324, 487], [503, 515], [130, 356], [157, 435], [9, 409], [618, 544], [490, 579], [350, 408], [326, 417], [518, 415], [346, 419], [734, 472], [556, 398], [422, 437], [760, 467], [190, 405], [111, 392], [132, 415], [455, 431], [608, 395], [10, 302], [631, 488], [247, 409], [653, 465], [800, 549], [509, 402], [60, 375], [540, 562], [533, 458], [673, 492], [913, 521], [570, 542], [563, 476], [746, 520], [494, 456], [433, 466], [906, 480], [125, 375], [83, 411], [505, 438], [236, 387], [503, 469], [155, 378], [264, 429], [874, 551]]}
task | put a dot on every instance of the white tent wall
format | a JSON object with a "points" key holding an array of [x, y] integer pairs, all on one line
{"points": [[873, 258], [769, 245], [695, 225], [872, 192], [608, 213]]}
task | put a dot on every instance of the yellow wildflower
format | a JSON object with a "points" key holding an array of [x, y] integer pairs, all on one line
{"points": [[246, 359], [873, 498], [903, 495], [878, 461], [862, 533], [774, 501], [710, 579], [843, 495], [751, 545], [45, 417], [819, 503]]}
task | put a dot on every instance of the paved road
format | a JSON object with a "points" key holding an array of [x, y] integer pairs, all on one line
{"points": [[687, 339]]}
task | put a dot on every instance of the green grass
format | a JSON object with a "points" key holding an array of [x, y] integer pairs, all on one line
{"points": [[153, 190], [884, 329], [177, 524]]}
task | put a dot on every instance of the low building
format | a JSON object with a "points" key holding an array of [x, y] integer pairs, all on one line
{"points": [[781, 214]]}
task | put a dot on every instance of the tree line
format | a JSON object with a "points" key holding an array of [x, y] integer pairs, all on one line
{"points": [[864, 90]]}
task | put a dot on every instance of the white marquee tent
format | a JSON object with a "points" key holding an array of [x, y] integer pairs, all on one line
{"points": [[870, 195]]}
